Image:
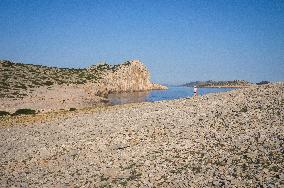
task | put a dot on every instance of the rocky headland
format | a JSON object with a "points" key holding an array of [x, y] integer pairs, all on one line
{"points": [[230, 139], [50, 88]]}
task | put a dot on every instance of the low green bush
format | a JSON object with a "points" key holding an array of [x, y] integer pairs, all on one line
{"points": [[24, 111], [4, 113], [72, 109], [244, 109], [48, 83]]}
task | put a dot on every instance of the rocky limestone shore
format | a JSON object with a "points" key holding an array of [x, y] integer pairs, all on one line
{"points": [[231, 139], [128, 77], [44, 88]]}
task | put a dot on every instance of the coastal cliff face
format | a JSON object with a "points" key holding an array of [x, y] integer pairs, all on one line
{"points": [[128, 77]]}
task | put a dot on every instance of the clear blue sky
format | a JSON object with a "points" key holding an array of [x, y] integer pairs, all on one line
{"points": [[179, 41]]}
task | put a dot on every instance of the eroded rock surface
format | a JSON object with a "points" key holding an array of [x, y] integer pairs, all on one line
{"points": [[128, 77]]}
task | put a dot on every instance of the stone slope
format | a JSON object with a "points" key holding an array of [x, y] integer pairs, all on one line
{"points": [[231, 139], [19, 80]]}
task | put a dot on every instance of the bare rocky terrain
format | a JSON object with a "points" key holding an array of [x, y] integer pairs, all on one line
{"points": [[54, 98], [44, 88], [18, 80], [231, 139]]}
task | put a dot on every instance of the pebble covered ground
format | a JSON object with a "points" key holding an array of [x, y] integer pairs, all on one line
{"points": [[232, 139]]}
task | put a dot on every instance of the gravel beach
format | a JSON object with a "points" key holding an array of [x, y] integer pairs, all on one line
{"points": [[231, 139]]}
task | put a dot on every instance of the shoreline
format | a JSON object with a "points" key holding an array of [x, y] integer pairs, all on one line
{"points": [[48, 99], [175, 143], [225, 87]]}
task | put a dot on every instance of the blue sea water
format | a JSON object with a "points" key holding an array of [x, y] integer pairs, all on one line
{"points": [[174, 92]]}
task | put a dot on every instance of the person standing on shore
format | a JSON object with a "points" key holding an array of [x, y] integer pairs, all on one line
{"points": [[195, 91]]}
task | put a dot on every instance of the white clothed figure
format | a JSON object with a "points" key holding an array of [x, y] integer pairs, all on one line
{"points": [[195, 91]]}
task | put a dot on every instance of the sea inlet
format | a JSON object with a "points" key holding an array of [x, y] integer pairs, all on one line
{"points": [[174, 92]]}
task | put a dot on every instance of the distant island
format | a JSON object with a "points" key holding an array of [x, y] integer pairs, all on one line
{"points": [[219, 84]]}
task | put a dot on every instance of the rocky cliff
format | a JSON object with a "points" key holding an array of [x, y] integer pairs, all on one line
{"points": [[128, 77], [20, 80]]}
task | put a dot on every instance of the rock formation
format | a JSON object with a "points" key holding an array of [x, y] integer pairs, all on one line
{"points": [[49, 88], [19, 80], [128, 77]]}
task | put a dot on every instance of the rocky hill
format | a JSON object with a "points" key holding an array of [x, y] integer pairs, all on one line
{"points": [[211, 83], [18, 80]]}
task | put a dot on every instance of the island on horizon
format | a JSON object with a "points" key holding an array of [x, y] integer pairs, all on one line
{"points": [[223, 84]]}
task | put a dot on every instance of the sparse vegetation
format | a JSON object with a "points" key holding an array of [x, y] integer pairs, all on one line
{"points": [[24, 111], [4, 113], [48, 83], [18, 78], [262, 83], [244, 109]]}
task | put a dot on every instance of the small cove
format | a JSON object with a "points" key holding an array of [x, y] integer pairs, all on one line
{"points": [[174, 92]]}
